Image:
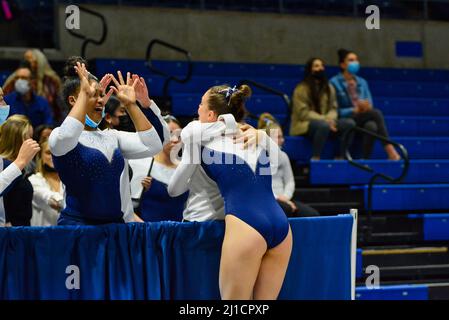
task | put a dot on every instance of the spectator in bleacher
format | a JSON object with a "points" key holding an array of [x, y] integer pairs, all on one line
{"points": [[44, 80], [314, 112], [283, 181], [116, 116], [355, 102], [150, 180], [42, 132], [18, 200], [23, 100], [48, 195]]}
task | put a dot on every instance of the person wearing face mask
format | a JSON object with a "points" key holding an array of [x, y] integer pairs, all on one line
{"points": [[314, 112], [355, 102], [44, 80], [48, 195], [116, 116], [150, 180], [23, 100], [91, 162]]}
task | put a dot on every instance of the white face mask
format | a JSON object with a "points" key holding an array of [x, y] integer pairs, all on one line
{"points": [[22, 86], [4, 112]]}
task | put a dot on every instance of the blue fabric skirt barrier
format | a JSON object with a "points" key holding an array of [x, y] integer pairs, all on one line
{"points": [[164, 260]]}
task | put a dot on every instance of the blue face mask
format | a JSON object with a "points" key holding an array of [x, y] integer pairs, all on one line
{"points": [[90, 123], [4, 113], [353, 67]]}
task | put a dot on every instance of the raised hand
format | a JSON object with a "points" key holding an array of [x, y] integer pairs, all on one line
{"points": [[142, 94], [83, 74], [105, 81], [125, 92], [27, 152]]}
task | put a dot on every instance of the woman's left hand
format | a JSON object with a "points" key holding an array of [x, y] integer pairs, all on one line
{"points": [[125, 92], [141, 89], [250, 136], [104, 82]]}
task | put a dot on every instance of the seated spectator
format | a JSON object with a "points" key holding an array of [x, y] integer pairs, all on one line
{"points": [[42, 132], [150, 180], [116, 116], [18, 200], [355, 102], [44, 80], [48, 196], [314, 112], [283, 181], [23, 100]]}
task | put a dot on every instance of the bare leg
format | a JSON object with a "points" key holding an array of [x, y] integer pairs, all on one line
{"points": [[272, 270], [241, 255]]}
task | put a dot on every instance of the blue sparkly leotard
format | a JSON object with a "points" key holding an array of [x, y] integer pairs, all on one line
{"points": [[244, 180], [92, 166]]}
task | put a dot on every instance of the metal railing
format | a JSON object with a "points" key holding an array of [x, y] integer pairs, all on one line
{"points": [[87, 40], [169, 77], [272, 91], [376, 175]]}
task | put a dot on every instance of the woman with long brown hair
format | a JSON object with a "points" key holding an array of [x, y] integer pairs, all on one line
{"points": [[314, 112]]}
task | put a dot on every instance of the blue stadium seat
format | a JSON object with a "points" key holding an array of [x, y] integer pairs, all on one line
{"points": [[435, 225], [389, 197], [395, 292], [413, 106], [418, 126], [409, 89], [299, 148], [327, 172]]}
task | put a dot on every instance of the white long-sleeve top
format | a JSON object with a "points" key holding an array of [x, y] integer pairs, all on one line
{"points": [[43, 214], [7, 176], [283, 180]]}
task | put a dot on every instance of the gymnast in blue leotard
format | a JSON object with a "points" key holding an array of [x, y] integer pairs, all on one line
{"points": [[90, 162], [257, 243]]}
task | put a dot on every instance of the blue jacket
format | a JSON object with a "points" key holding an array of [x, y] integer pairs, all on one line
{"points": [[38, 110], [345, 107]]}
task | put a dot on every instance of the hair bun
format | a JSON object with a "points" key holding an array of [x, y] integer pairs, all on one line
{"points": [[266, 120], [245, 91], [69, 66]]}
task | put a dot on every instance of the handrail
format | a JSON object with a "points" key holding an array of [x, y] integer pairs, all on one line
{"points": [[268, 89], [88, 40], [169, 77], [376, 175]]}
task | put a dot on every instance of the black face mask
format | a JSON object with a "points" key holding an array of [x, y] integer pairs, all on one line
{"points": [[49, 169], [125, 124], [319, 75]]}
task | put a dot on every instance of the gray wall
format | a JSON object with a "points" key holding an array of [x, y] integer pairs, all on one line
{"points": [[266, 38]]}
